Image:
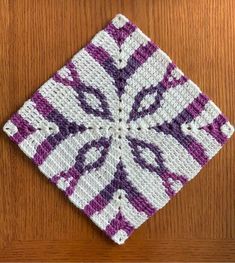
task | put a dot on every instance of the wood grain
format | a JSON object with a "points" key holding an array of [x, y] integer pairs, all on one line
{"points": [[37, 223]]}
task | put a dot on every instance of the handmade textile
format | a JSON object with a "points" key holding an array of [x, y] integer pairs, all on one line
{"points": [[120, 129]]}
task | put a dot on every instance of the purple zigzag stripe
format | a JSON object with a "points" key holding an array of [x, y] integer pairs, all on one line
{"points": [[174, 128], [23, 126], [120, 76], [120, 34], [120, 181], [66, 128], [119, 223], [214, 129]]}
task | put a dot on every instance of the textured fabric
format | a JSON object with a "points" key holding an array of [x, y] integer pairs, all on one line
{"points": [[120, 129]]}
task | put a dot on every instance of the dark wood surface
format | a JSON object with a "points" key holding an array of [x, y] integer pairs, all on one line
{"points": [[37, 223]]}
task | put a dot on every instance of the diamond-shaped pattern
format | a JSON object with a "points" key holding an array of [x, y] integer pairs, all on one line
{"points": [[119, 129]]}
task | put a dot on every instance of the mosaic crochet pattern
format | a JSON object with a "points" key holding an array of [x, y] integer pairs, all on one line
{"points": [[120, 129]]}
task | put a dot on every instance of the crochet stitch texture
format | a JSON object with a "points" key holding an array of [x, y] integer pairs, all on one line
{"points": [[120, 129]]}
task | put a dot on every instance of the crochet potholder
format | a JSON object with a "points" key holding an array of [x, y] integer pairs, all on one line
{"points": [[120, 129]]}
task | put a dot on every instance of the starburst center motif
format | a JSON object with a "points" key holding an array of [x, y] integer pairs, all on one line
{"points": [[120, 129]]}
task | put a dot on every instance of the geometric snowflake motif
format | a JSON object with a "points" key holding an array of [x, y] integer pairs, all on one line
{"points": [[120, 129]]}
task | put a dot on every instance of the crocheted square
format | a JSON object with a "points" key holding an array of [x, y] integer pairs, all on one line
{"points": [[120, 129]]}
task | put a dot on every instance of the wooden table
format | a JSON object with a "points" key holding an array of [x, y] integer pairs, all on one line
{"points": [[37, 223]]}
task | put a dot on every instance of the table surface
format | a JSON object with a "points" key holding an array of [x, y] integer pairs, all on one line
{"points": [[37, 221]]}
